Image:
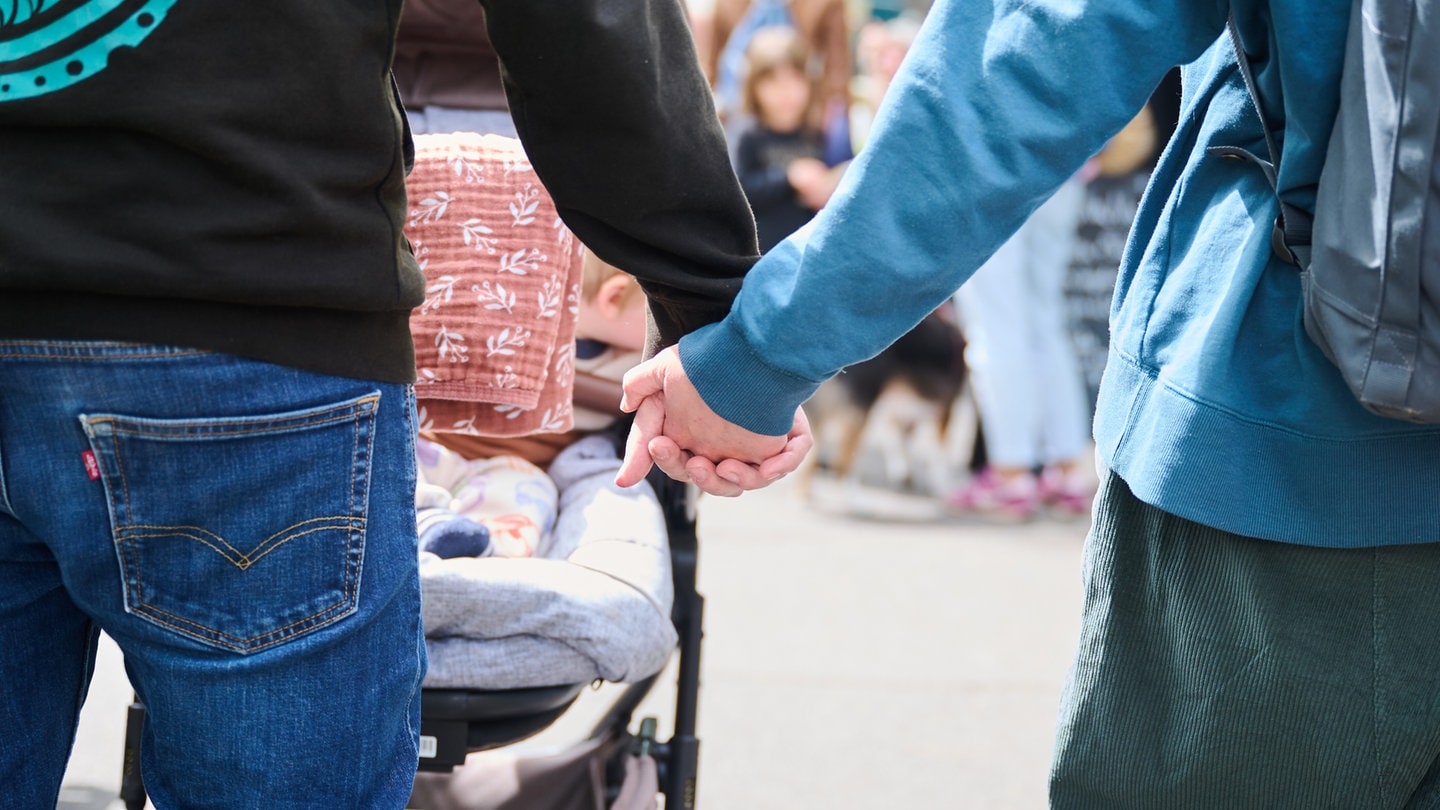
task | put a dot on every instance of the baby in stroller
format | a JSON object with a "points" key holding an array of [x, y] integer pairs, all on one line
{"points": [[580, 585], [479, 497], [538, 574]]}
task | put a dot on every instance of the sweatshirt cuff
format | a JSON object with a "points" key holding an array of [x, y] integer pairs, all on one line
{"points": [[737, 384]]}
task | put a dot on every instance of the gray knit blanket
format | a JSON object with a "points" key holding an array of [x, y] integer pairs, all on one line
{"points": [[593, 603]]}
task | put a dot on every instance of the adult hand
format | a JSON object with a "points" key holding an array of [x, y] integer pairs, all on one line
{"points": [[676, 430], [730, 477]]}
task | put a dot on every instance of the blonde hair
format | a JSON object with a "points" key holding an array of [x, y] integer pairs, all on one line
{"points": [[595, 271], [771, 49]]}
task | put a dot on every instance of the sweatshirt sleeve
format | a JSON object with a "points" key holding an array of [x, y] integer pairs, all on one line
{"points": [[993, 108], [615, 114]]}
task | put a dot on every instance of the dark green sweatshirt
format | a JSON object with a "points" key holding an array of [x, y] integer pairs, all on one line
{"points": [[230, 176]]}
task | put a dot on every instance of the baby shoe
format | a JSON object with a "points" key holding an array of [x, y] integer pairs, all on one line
{"points": [[989, 496], [451, 535]]}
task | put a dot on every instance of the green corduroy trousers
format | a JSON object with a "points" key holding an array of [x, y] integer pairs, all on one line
{"points": [[1220, 671]]}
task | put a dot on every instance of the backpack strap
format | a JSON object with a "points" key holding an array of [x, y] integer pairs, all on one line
{"points": [[1290, 238]]}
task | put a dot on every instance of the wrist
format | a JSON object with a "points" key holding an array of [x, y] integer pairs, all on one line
{"points": [[737, 384]]}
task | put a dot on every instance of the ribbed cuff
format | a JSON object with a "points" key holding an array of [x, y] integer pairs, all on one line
{"points": [[737, 384]]}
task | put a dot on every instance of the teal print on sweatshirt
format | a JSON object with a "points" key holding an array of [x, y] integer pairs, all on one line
{"points": [[49, 45]]}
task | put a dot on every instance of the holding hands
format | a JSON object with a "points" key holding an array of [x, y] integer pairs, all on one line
{"points": [[677, 431]]}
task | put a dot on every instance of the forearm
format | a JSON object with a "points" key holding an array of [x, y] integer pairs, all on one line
{"points": [[987, 117], [610, 103]]}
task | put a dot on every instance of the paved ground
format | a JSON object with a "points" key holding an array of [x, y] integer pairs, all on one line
{"points": [[898, 660]]}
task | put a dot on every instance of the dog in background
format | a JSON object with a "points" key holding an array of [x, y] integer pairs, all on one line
{"points": [[899, 403]]}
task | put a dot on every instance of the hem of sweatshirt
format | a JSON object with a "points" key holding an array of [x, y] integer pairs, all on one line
{"points": [[737, 384], [363, 345], [1260, 479]]}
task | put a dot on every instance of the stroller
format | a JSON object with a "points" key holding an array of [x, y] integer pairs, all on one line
{"points": [[468, 720], [463, 712], [456, 722]]}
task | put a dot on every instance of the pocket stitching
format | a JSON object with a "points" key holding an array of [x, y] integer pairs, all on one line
{"points": [[351, 411], [245, 560], [238, 644], [355, 411]]}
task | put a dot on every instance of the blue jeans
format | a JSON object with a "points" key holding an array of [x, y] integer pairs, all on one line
{"points": [[246, 534]]}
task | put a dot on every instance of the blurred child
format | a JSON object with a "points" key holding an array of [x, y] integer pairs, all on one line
{"points": [[483, 497], [728, 25], [779, 155], [880, 47]]}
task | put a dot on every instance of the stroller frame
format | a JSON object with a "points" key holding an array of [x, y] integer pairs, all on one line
{"points": [[457, 722]]}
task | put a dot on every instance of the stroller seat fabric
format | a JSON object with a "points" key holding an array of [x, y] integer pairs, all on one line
{"points": [[593, 603]]}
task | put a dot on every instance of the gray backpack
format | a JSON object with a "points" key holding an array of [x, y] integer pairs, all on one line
{"points": [[1370, 260]]}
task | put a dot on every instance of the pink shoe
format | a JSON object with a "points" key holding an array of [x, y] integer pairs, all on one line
{"points": [[1066, 494], [989, 497]]}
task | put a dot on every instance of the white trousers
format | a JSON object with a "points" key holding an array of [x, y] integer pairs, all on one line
{"points": [[1024, 369]]}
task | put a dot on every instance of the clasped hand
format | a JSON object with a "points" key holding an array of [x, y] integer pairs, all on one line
{"points": [[675, 430]]}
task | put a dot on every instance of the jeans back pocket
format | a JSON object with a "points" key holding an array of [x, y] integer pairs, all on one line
{"points": [[239, 532]]}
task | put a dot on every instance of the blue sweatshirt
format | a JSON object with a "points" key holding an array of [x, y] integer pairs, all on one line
{"points": [[1215, 406]]}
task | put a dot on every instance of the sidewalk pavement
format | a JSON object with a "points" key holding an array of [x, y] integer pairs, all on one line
{"points": [[897, 660]]}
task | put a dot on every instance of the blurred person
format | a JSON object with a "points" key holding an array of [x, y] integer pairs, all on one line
{"points": [[1025, 374], [1132, 149], [885, 10], [825, 31], [205, 356], [780, 156], [880, 47], [1260, 617]]}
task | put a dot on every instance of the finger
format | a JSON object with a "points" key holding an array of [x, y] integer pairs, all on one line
{"points": [[776, 467], [786, 461], [702, 473], [668, 456], [642, 381], [649, 421], [797, 445], [746, 476]]}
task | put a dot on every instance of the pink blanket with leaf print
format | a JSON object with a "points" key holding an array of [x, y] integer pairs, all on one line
{"points": [[494, 339]]}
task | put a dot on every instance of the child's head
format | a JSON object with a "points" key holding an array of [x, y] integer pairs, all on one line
{"points": [[612, 306], [779, 90], [881, 46]]}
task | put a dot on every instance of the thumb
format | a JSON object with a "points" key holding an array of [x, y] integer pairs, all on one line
{"points": [[644, 380], [649, 421]]}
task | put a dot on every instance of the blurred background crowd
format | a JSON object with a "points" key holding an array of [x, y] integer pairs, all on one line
{"points": [[986, 406]]}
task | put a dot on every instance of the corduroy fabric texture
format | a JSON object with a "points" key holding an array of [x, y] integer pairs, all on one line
{"points": [[1220, 671]]}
